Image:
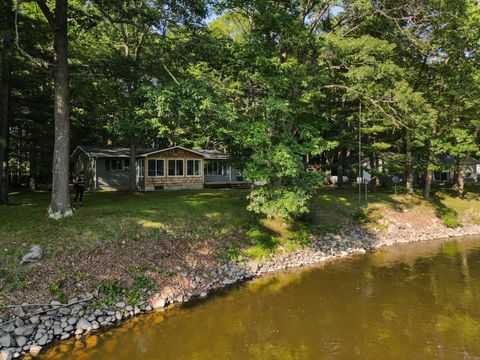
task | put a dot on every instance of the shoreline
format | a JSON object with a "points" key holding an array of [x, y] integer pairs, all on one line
{"points": [[28, 329]]}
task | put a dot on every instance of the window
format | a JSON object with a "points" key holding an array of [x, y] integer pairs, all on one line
{"points": [[175, 167], [155, 167], [194, 167], [215, 167], [115, 164], [141, 168]]}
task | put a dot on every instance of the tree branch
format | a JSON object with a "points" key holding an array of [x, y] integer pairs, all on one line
{"points": [[47, 13]]}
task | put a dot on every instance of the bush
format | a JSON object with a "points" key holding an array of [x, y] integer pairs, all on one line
{"points": [[362, 215], [451, 220]]}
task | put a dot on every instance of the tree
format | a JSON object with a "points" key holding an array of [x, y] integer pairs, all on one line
{"points": [[58, 21], [6, 36], [137, 31]]}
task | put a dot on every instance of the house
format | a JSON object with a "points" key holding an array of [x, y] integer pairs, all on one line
{"points": [[472, 170], [107, 168]]}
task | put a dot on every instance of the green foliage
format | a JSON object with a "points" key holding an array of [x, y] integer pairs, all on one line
{"points": [[362, 215], [450, 219], [57, 291], [282, 202], [263, 244], [163, 271]]}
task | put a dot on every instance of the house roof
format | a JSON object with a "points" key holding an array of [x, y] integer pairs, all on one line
{"points": [[213, 154], [124, 152], [110, 151], [156, 151]]}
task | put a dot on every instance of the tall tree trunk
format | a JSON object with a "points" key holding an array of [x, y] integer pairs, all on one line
{"points": [[6, 26], [373, 170], [132, 171], [409, 164], [460, 181], [428, 176], [60, 201]]}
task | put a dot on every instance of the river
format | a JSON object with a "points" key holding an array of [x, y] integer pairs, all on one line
{"points": [[409, 301]]}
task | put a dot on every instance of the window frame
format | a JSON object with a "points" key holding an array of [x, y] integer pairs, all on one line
{"points": [[200, 167], [156, 160], [219, 162], [120, 165], [176, 160]]}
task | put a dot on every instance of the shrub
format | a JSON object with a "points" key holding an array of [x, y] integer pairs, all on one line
{"points": [[362, 215], [451, 220]]}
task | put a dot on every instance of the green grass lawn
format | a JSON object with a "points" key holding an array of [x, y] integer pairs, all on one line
{"points": [[118, 216]]}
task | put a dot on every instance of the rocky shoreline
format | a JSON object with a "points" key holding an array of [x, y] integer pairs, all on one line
{"points": [[27, 328]]}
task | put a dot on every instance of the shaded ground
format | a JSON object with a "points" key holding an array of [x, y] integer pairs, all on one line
{"points": [[151, 240]]}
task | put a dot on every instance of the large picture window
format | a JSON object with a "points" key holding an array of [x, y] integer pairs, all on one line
{"points": [[194, 167], [215, 167], [155, 167], [175, 167]]}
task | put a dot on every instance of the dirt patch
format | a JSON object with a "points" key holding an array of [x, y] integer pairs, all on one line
{"points": [[165, 262]]}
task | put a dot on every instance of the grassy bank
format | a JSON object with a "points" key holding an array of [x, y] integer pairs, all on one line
{"points": [[120, 237]]}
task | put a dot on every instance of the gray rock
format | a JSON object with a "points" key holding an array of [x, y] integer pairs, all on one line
{"points": [[64, 311], [21, 341], [65, 336], [72, 320], [83, 324], [43, 340], [228, 282], [35, 319], [35, 254], [7, 341], [18, 311], [55, 303], [98, 312], [57, 330], [39, 334], [8, 327], [24, 330], [68, 329], [120, 305], [19, 322], [76, 309], [4, 316]]}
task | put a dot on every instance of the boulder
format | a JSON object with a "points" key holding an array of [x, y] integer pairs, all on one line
{"points": [[35, 254], [157, 302]]}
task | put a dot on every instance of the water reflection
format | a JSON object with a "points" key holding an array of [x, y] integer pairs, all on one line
{"points": [[412, 301]]}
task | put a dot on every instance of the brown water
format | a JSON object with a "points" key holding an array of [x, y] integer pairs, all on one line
{"points": [[414, 301]]}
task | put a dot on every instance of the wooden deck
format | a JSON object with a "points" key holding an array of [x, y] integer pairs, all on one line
{"points": [[227, 184]]}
